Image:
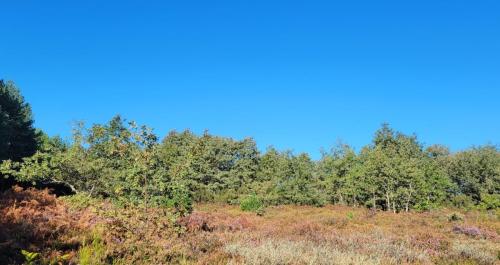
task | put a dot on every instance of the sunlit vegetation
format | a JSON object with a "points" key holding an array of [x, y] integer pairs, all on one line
{"points": [[188, 198], [80, 230]]}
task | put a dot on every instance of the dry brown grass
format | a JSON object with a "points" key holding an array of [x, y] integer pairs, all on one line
{"points": [[102, 233], [347, 235]]}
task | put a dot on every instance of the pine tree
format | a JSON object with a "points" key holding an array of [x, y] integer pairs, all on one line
{"points": [[18, 137]]}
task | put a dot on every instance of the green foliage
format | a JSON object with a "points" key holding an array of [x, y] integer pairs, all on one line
{"points": [[251, 203], [350, 215], [34, 258], [394, 173], [81, 200], [284, 178], [30, 257], [180, 199], [462, 201], [490, 201], [92, 252], [18, 137], [126, 163], [339, 169], [476, 172], [210, 165], [422, 206]]}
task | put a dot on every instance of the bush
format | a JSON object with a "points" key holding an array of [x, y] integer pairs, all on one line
{"points": [[92, 252], [490, 201], [471, 231], [180, 199], [80, 201], [425, 206], [462, 201], [455, 217], [252, 203]]}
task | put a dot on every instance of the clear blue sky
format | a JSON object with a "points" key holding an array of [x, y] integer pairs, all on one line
{"points": [[294, 74]]}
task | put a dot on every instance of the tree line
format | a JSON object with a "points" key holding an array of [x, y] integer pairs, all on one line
{"points": [[128, 163]]}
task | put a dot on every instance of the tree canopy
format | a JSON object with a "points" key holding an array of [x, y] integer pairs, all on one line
{"points": [[18, 137], [128, 163]]}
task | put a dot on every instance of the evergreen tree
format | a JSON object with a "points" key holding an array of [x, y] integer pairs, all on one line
{"points": [[18, 137]]}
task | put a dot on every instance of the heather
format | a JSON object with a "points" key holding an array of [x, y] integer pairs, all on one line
{"points": [[79, 230], [117, 193]]}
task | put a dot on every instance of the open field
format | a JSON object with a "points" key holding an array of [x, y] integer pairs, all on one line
{"points": [[86, 231]]}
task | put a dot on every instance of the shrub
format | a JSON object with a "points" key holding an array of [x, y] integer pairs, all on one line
{"points": [[423, 206], [462, 201], [471, 231], [251, 203], [350, 215], [227, 196], [92, 252], [490, 201], [197, 222], [180, 199], [455, 217], [80, 201], [473, 252]]}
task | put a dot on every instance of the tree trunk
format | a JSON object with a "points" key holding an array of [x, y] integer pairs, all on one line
{"points": [[408, 199], [374, 200], [387, 202]]}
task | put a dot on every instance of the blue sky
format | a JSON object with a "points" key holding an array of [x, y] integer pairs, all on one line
{"points": [[294, 74]]}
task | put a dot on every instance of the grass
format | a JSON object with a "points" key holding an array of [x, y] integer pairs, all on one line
{"points": [[274, 252], [85, 231]]}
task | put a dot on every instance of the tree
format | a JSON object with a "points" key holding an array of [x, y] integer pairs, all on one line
{"points": [[273, 167], [126, 163], [284, 178], [476, 172], [335, 169], [399, 174], [438, 151], [18, 137], [214, 168], [301, 186]]}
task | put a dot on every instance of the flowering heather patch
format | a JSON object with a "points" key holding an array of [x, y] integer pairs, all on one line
{"points": [[99, 232], [471, 231], [303, 235]]}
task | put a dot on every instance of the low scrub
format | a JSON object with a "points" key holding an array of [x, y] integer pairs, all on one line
{"points": [[252, 203], [37, 228], [276, 252], [476, 252]]}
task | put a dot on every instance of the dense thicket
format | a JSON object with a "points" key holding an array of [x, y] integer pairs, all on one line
{"points": [[129, 164]]}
